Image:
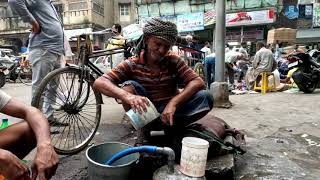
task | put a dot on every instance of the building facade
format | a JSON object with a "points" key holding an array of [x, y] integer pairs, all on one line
{"points": [[78, 16], [247, 20], [125, 12]]}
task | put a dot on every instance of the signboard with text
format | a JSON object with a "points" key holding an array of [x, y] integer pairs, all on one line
{"points": [[190, 22], [209, 18], [250, 18], [316, 15], [248, 35]]}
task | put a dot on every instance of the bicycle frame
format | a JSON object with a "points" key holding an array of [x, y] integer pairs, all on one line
{"points": [[86, 52]]}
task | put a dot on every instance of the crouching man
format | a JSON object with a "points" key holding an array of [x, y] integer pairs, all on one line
{"points": [[154, 74]]}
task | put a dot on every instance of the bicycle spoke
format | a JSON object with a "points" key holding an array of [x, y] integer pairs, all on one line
{"points": [[83, 125], [87, 114], [64, 90], [61, 133], [86, 119]]}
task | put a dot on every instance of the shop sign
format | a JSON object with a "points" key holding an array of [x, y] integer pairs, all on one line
{"points": [[316, 15], [250, 18], [305, 11], [249, 35], [209, 18], [133, 31], [171, 18], [292, 12], [190, 22]]}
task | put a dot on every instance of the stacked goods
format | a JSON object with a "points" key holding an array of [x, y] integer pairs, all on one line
{"points": [[284, 35]]}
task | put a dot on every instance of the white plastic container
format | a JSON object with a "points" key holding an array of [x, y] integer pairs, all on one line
{"points": [[140, 120], [194, 156]]}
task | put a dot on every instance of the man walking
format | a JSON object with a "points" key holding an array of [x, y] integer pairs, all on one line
{"points": [[46, 45]]}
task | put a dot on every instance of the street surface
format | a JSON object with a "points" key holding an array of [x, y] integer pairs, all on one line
{"points": [[282, 133]]}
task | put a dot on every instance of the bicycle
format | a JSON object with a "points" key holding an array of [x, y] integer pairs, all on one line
{"points": [[75, 101], [197, 63]]}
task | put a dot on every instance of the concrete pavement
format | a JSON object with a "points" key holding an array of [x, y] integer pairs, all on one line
{"points": [[282, 132]]}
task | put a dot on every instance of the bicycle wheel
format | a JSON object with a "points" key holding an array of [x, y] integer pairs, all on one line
{"points": [[199, 69], [74, 103]]}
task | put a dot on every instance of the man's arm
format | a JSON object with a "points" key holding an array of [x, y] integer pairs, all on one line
{"points": [[106, 87], [20, 7], [46, 160], [190, 89], [256, 60]]}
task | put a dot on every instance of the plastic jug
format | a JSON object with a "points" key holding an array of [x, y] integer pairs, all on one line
{"points": [[4, 124]]}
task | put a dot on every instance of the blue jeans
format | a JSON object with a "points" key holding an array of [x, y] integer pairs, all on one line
{"points": [[209, 65], [43, 62], [190, 111]]}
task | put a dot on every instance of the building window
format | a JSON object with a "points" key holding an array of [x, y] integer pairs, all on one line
{"points": [[98, 7], [78, 6], [124, 10]]}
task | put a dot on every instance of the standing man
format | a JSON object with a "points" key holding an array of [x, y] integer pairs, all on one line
{"points": [[243, 63], [206, 49], [46, 43], [209, 68], [115, 42]]}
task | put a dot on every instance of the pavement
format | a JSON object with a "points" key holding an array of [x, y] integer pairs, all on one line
{"points": [[282, 133]]}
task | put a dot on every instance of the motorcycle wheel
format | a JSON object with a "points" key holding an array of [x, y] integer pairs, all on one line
{"points": [[309, 88], [303, 83], [2, 79]]}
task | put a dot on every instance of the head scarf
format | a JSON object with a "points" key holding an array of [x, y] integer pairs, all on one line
{"points": [[160, 29], [165, 30]]}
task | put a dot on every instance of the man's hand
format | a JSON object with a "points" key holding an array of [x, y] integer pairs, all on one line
{"points": [[35, 27], [11, 167], [137, 103], [168, 112], [45, 163]]}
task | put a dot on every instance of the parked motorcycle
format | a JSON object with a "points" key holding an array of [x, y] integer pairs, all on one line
{"points": [[3, 73], [5, 64], [307, 75]]}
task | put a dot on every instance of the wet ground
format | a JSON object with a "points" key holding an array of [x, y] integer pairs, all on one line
{"points": [[282, 132]]}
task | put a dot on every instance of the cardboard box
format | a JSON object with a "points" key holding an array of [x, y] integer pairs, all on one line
{"points": [[284, 35]]}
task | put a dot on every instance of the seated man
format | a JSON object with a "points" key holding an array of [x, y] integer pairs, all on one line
{"points": [[17, 140], [154, 74], [263, 62]]}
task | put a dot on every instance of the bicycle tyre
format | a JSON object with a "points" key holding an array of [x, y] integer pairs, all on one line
{"points": [[74, 118]]}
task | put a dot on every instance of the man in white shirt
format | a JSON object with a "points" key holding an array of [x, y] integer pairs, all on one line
{"points": [[231, 58], [243, 63], [206, 49]]}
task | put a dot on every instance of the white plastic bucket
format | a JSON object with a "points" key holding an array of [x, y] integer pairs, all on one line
{"points": [[140, 120], [194, 156]]}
